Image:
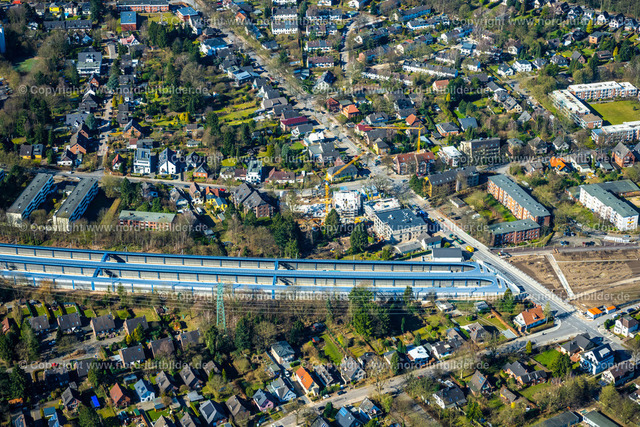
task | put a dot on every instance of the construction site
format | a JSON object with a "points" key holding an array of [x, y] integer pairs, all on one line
{"points": [[586, 278]]}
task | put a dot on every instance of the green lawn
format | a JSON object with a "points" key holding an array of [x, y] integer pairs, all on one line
{"points": [[617, 112], [41, 310], [530, 391], [26, 65], [547, 357], [331, 351]]}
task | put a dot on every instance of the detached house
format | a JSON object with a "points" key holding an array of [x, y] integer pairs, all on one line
{"points": [[625, 326], [479, 384], [449, 397], [190, 379], [281, 389], [118, 397], [530, 318], [619, 374], [351, 371], [597, 359], [623, 156], [283, 352], [522, 375], [262, 400], [306, 382]]}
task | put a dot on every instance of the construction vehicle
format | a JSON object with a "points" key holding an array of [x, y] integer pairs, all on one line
{"points": [[418, 128], [327, 184]]}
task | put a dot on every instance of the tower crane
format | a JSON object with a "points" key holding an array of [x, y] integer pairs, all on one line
{"points": [[327, 183]]}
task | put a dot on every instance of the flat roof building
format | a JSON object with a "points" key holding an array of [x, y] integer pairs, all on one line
{"points": [[625, 132], [31, 198], [451, 181], [518, 201], [514, 231], [398, 225], [603, 90], [152, 220], [609, 207], [76, 204]]}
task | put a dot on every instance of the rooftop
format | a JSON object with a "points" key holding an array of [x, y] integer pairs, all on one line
{"points": [[519, 195], [78, 195], [513, 226], [29, 193]]}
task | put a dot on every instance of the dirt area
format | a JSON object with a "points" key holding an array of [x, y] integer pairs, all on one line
{"points": [[596, 277], [620, 254], [538, 267], [616, 296]]}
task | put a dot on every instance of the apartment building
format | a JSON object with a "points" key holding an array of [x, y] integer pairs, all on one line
{"points": [[398, 225], [410, 163], [76, 204], [609, 207], [348, 203], [451, 181], [483, 149], [30, 199], [433, 70], [572, 107], [514, 232], [152, 220], [518, 201], [148, 6], [603, 90], [625, 132]]}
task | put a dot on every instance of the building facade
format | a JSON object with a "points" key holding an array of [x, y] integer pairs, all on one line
{"points": [[518, 201]]}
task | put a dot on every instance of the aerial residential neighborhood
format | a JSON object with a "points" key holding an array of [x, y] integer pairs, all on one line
{"points": [[319, 213]]}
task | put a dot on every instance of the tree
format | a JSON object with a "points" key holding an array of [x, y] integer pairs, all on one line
{"points": [[18, 381], [407, 297], [529, 347], [547, 311], [332, 224], [473, 411], [215, 341], [88, 417], [6, 351], [29, 341], [328, 411], [90, 121], [395, 363], [138, 333], [95, 375], [359, 239], [561, 365], [244, 334], [590, 27], [296, 332]]}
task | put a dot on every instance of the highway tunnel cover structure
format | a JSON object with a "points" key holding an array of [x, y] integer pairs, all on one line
{"points": [[145, 272]]}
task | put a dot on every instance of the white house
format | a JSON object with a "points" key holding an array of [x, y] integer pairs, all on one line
{"points": [[522, 66]]}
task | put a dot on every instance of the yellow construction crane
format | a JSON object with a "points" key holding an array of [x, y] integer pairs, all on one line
{"points": [[418, 128], [327, 183]]}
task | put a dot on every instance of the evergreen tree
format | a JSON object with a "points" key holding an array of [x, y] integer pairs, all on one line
{"points": [[30, 341], [18, 381], [244, 334], [395, 363], [359, 239], [332, 224]]}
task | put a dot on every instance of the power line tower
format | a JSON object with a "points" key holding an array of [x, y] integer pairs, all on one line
{"points": [[221, 319]]}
